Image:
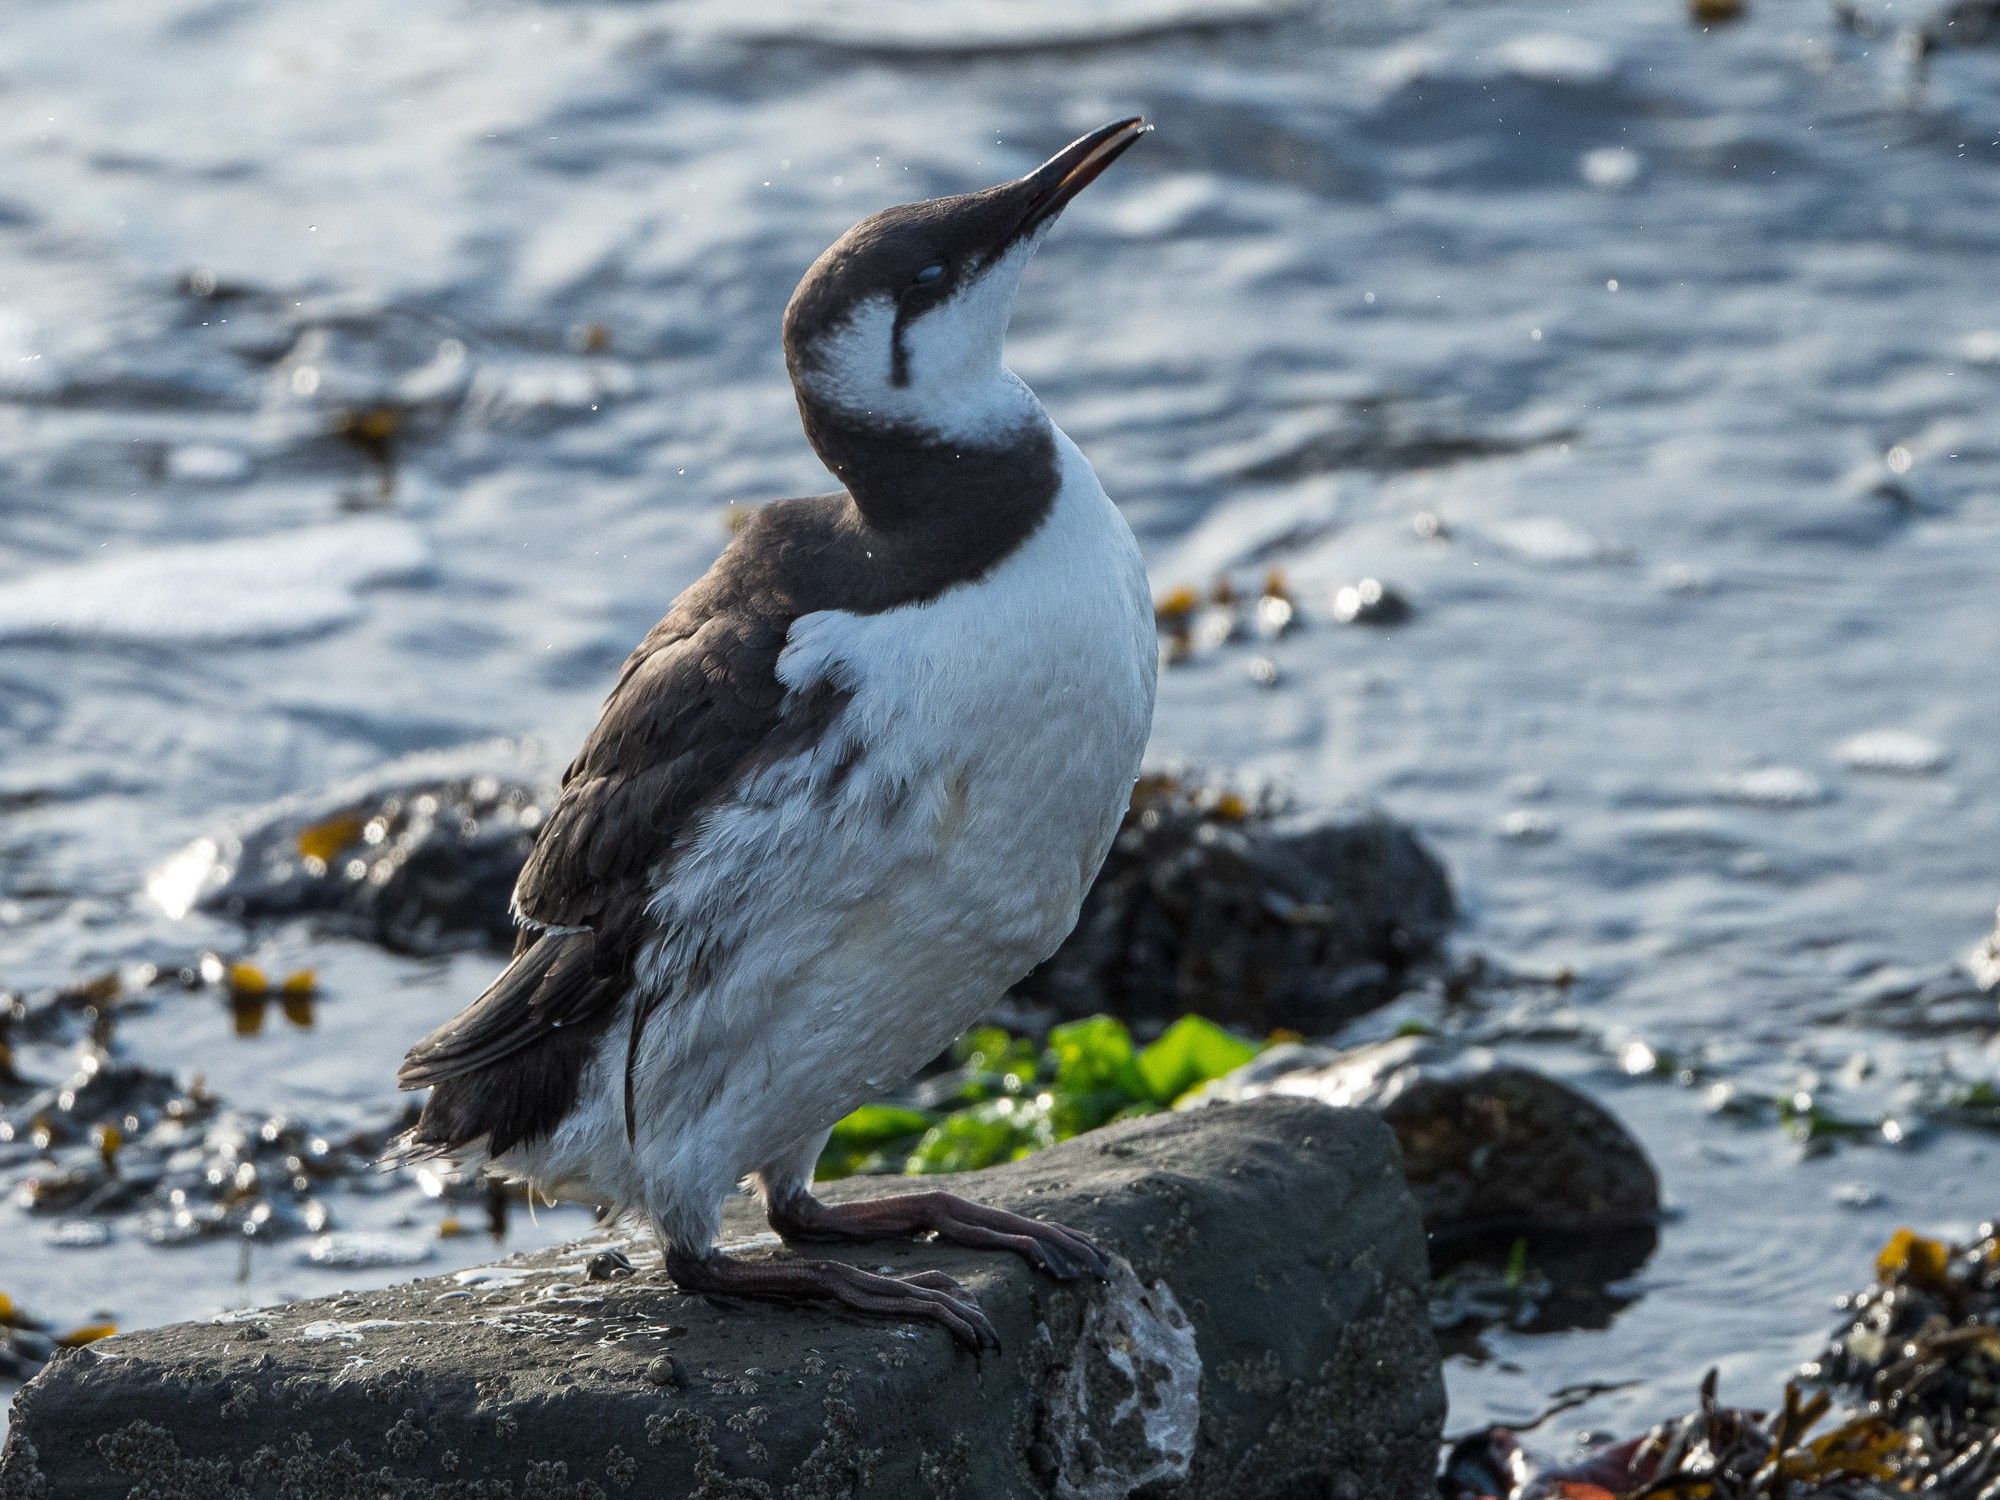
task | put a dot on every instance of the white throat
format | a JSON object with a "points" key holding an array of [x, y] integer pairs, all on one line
{"points": [[954, 385]]}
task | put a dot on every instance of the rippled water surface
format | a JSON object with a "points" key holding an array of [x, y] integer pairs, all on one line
{"points": [[1657, 367]]}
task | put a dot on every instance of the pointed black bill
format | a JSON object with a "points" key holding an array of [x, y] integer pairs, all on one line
{"points": [[1050, 186]]}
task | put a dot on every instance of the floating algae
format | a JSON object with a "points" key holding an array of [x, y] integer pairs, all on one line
{"points": [[113, 1138], [1923, 1350], [1192, 625], [1904, 1400]]}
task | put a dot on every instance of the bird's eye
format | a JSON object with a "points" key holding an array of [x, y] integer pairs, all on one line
{"points": [[927, 275]]}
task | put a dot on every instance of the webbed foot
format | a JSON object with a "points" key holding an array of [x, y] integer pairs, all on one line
{"points": [[1051, 1248], [928, 1297]]}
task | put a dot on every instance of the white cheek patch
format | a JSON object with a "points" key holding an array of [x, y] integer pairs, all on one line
{"points": [[956, 385], [850, 361]]}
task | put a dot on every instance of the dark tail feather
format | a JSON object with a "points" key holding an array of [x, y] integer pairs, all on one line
{"points": [[551, 985], [516, 1101], [413, 1145], [506, 1070]]}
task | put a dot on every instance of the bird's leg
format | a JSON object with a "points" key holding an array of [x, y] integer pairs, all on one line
{"points": [[1061, 1252], [925, 1298]]}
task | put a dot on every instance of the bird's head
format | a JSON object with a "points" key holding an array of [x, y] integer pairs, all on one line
{"points": [[899, 325]]}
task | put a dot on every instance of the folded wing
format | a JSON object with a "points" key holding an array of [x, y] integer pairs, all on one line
{"points": [[697, 708]]}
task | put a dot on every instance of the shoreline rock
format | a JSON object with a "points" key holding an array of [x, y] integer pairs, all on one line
{"points": [[1491, 1149], [1211, 906], [418, 855], [1266, 1337]]}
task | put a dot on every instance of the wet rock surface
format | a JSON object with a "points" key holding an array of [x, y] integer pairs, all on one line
{"points": [[419, 856], [1215, 905], [1491, 1149], [1265, 1336]]}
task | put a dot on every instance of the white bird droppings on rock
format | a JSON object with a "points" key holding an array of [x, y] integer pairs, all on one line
{"points": [[1125, 1409], [346, 1332], [492, 1278]]}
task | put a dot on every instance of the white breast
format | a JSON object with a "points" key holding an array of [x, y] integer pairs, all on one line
{"points": [[1033, 687], [878, 892]]}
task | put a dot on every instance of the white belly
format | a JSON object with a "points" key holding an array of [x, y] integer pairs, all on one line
{"points": [[865, 916]]}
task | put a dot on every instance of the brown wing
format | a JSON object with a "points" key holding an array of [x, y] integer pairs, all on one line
{"points": [[690, 708], [697, 706]]}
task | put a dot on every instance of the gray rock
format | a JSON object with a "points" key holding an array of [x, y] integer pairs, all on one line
{"points": [[1265, 1335], [419, 855], [1490, 1148], [1256, 920]]}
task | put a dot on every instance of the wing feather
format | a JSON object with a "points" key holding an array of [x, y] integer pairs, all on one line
{"points": [[549, 985], [697, 707]]}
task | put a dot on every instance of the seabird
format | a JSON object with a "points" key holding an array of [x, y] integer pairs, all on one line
{"points": [[846, 793]]}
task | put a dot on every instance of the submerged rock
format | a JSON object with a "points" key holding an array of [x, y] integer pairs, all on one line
{"points": [[1214, 906], [117, 1138], [1264, 1336], [420, 855], [1370, 602], [101, 1144], [27, 1343], [1491, 1149]]}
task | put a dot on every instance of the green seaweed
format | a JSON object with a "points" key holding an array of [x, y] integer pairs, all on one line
{"points": [[1190, 1053], [1006, 1096]]}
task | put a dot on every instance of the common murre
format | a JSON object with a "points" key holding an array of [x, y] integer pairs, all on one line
{"points": [[851, 788]]}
